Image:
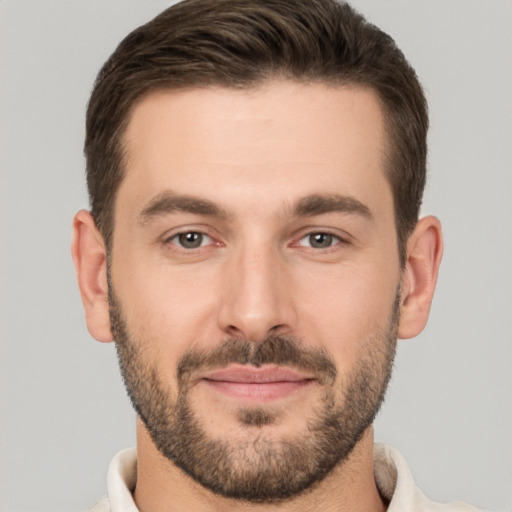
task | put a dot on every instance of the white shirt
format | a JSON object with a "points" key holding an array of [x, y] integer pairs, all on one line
{"points": [[392, 476]]}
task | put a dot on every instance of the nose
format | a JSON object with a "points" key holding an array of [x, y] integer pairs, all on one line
{"points": [[256, 296]]}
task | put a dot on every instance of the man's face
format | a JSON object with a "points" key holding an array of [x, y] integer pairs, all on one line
{"points": [[255, 280]]}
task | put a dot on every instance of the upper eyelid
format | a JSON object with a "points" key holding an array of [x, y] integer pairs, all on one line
{"points": [[187, 232], [180, 230], [171, 244], [294, 238], [339, 240], [204, 243], [312, 230], [329, 233]]}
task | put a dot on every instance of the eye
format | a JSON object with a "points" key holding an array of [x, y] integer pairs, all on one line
{"points": [[191, 240], [319, 240]]}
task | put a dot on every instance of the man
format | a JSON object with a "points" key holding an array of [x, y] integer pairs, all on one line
{"points": [[256, 172]]}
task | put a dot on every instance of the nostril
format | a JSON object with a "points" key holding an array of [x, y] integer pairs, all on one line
{"points": [[233, 330]]}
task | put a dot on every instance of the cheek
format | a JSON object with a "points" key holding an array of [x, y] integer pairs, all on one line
{"points": [[168, 307], [344, 310]]}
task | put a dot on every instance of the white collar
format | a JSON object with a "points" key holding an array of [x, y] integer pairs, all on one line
{"points": [[392, 476]]}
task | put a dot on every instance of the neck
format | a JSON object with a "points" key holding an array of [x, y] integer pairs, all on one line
{"points": [[161, 486]]}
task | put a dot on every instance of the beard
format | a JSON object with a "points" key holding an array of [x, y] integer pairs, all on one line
{"points": [[263, 468]]}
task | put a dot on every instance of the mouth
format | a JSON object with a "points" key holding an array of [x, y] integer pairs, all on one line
{"points": [[251, 384]]}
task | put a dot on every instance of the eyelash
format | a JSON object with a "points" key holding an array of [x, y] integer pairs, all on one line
{"points": [[333, 239], [178, 239], [179, 243]]}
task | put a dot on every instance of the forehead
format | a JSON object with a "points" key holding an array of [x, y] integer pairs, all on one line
{"points": [[280, 139]]}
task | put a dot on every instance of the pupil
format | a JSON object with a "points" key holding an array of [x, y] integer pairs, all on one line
{"points": [[321, 240], [191, 240]]}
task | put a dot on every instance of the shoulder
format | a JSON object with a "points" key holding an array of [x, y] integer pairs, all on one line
{"points": [[396, 484], [455, 506], [122, 475]]}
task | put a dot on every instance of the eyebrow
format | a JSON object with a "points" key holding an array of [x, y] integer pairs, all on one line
{"points": [[318, 204], [169, 202]]}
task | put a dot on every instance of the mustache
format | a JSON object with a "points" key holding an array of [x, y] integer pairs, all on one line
{"points": [[277, 350]]}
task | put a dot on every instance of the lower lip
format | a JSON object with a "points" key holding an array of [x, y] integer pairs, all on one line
{"points": [[258, 391]]}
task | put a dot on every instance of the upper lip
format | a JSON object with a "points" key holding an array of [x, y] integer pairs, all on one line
{"points": [[252, 374]]}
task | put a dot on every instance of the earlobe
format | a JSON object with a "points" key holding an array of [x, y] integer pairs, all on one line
{"points": [[424, 253], [90, 258]]}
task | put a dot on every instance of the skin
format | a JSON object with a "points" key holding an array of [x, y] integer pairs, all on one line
{"points": [[256, 155]]}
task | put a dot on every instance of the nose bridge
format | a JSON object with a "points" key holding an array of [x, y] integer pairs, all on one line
{"points": [[255, 298]]}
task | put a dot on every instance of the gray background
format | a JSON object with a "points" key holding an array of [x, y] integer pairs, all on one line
{"points": [[63, 408]]}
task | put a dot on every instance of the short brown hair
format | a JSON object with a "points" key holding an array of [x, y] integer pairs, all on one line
{"points": [[240, 44]]}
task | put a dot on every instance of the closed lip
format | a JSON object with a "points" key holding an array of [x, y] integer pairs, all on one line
{"points": [[257, 385], [254, 375]]}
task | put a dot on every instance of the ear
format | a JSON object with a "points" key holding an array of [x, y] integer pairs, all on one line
{"points": [[90, 258], [424, 253]]}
